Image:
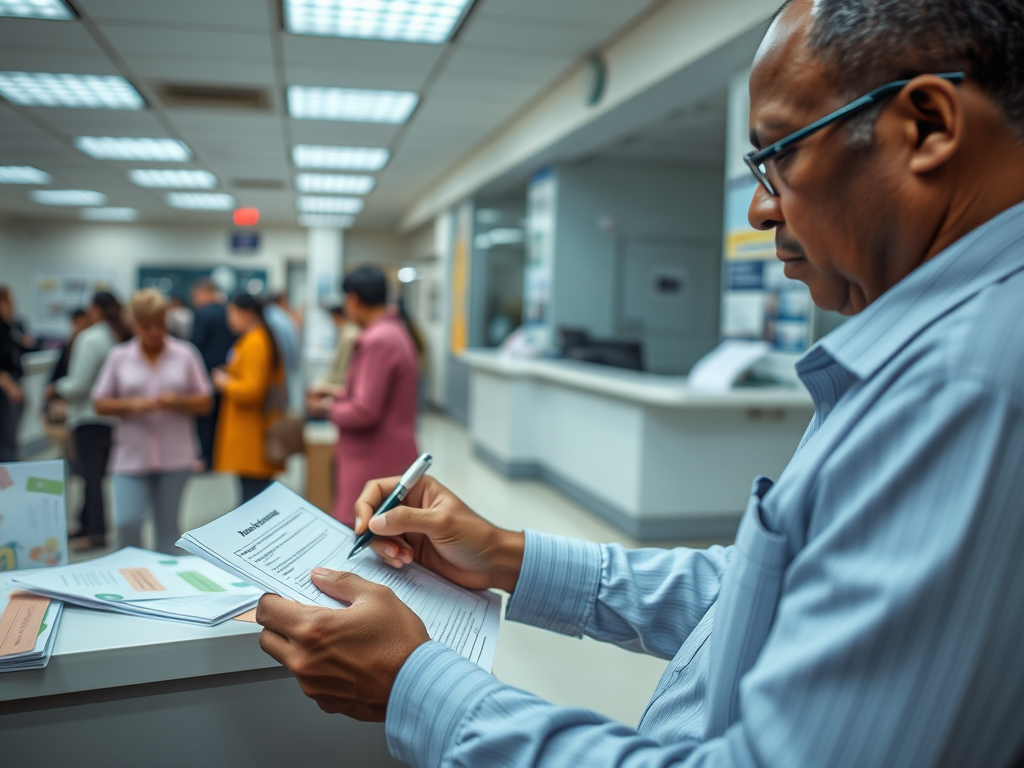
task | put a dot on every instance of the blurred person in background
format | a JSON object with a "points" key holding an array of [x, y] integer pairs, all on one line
{"points": [[55, 410], [154, 384], [376, 412], [11, 395], [334, 382], [213, 338], [180, 318], [90, 431], [253, 370], [283, 325]]}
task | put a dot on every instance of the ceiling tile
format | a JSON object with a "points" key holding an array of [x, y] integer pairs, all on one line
{"points": [[101, 122], [357, 77], [371, 55], [200, 13], [610, 15], [550, 36], [22, 34], [214, 45]]}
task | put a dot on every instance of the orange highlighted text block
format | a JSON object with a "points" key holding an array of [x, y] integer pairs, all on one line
{"points": [[20, 622], [142, 580]]}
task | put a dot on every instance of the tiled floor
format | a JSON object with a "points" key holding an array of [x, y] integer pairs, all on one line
{"points": [[563, 670]]}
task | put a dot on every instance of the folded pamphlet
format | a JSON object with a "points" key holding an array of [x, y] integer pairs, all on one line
{"points": [[142, 583], [276, 539], [28, 628]]}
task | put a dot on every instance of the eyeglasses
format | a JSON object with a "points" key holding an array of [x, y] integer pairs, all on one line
{"points": [[757, 160]]}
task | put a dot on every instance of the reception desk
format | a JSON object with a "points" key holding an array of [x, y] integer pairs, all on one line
{"points": [[127, 691], [652, 456]]}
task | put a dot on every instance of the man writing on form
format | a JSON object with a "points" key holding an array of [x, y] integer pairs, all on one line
{"points": [[872, 608]]}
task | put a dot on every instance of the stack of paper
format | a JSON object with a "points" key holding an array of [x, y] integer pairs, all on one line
{"points": [[28, 627], [142, 583], [276, 539]]}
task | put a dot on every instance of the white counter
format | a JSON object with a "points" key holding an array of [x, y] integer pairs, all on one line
{"points": [[646, 452], [128, 691]]}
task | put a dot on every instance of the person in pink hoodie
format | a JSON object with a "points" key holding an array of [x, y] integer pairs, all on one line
{"points": [[376, 411]]}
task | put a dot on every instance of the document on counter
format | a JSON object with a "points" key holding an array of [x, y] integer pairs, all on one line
{"points": [[276, 539], [143, 583], [28, 628], [33, 521]]}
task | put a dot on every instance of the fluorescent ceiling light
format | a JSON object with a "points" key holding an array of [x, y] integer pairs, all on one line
{"points": [[355, 105], [23, 174], [334, 183], [114, 148], [201, 201], [325, 220], [109, 214], [47, 89], [36, 9], [340, 158], [311, 204], [416, 21], [172, 178], [67, 197]]}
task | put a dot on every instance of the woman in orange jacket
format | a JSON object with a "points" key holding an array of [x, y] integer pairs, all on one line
{"points": [[248, 406]]}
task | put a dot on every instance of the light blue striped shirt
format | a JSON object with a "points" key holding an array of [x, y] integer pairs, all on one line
{"points": [[871, 612]]}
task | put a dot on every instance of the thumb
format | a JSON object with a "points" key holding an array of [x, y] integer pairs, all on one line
{"points": [[341, 585], [402, 519]]}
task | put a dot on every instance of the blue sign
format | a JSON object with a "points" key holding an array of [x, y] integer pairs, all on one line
{"points": [[245, 242]]}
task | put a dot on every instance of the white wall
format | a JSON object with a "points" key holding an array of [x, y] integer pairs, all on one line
{"points": [[26, 248]]}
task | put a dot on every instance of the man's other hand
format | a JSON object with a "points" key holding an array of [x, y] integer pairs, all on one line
{"points": [[437, 530], [345, 659]]}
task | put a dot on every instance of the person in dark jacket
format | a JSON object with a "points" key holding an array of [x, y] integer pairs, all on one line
{"points": [[11, 395], [214, 339]]}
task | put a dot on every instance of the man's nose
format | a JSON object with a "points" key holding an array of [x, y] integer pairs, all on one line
{"points": [[764, 212]]}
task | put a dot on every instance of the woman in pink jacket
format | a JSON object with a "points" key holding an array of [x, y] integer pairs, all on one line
{"points": [[376, 412]]}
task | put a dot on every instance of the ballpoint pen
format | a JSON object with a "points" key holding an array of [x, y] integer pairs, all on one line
{"points": [[409, 479]]}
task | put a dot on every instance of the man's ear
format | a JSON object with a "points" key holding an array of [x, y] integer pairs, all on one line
{"points": [[933, 117]]}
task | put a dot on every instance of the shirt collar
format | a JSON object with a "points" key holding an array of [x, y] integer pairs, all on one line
{"points": [[867, 341]]}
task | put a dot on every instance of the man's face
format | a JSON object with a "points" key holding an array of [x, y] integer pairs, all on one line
{"points": [[833, 208], [7, 310]]}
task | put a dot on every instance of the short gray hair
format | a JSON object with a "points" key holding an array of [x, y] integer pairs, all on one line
{"points": [[865, 43]]}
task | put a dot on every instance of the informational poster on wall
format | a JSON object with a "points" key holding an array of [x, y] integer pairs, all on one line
{"points": [[33, 518], [540, 246], [58, 293], [758, 301]]}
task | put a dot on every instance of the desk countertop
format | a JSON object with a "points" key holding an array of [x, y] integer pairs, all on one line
{"points": [[96, 650], [646, 388]]}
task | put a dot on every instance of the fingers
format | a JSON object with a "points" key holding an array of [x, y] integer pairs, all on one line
{"points": [[369, 501], [341, 585], [405, 519], [281, 615], [275, 646], [396, 552]]}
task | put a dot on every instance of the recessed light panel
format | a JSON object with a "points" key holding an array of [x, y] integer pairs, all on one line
{"points": [[36, 9], [334, 183], [172, 178], [201, 201], [67, 197], [108, 214], [355, 105], [47, 89], [339, 158], [313, 204], [325, 220], [115, 148], [23, 174], [416, 21]]}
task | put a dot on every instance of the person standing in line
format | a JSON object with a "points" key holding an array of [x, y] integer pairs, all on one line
{"points": [[11, 395], [154, 384], [213, 338], [55, 410], [334, 382], [180, 318], [246, 384], [376, 412], [91, 432], [289, 342]]}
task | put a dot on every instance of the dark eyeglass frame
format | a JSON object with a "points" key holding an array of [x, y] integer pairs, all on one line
{"points": [[756, 160]]}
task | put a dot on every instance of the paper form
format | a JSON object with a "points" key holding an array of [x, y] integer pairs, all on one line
{"points": [[276, 539]]}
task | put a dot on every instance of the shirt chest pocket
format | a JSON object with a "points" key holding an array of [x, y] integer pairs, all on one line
{"points": [[745, 612]]}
